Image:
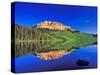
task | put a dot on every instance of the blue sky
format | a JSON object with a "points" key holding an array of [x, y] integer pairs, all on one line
{"points": [[80, 18]]}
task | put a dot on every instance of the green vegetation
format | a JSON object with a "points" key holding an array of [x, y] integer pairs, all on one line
{"points": [[33, 40], [23, 34]]}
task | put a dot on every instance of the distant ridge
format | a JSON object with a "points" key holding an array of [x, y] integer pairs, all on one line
{"points": [[53, 25]]}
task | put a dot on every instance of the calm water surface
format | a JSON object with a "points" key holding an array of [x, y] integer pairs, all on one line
{"points": [[31, 63]]}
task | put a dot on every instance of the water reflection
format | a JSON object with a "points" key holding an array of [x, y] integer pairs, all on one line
{"points": [[45, 49]]}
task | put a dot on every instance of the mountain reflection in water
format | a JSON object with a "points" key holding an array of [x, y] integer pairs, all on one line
{"points": [[45, 50]]}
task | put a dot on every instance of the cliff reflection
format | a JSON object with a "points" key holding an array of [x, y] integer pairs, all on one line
{"points": [[43, 50]]}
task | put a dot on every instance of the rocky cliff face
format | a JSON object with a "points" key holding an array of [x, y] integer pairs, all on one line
{"points": [[52, 25]]}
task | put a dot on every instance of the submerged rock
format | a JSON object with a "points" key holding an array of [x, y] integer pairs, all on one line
{"points": [[82, 62]]}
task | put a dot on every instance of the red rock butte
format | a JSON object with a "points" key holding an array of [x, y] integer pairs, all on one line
{"points": [[52, 25]]}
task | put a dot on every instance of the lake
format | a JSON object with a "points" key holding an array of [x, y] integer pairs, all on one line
{"points": [[80, 58]]}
